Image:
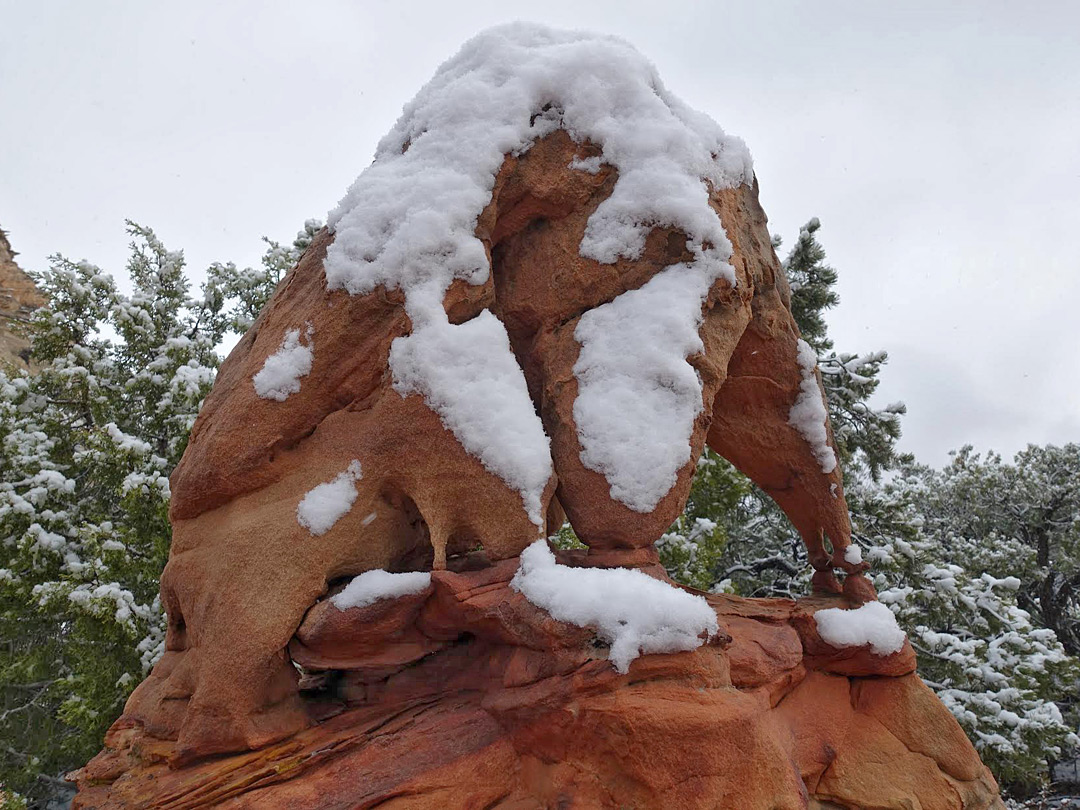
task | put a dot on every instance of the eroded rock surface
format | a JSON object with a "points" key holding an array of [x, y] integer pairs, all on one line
{"points": [[468, 696], [352, 429], [243, 571], [18, 298]]}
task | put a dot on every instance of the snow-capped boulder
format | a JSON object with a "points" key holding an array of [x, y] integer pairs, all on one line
{"points": [[551, 287]]}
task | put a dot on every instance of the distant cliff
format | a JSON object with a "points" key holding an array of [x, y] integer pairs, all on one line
{"points": [[18, 298]]}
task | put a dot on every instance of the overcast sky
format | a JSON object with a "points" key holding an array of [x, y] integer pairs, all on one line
{"points": [[939, 144]]}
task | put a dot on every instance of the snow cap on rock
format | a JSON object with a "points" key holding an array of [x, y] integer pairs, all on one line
{"points": [[409, 220]]}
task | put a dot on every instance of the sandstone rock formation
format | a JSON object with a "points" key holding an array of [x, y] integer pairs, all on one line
{"points": [[434, 387], [18, 298], [468, 696]]}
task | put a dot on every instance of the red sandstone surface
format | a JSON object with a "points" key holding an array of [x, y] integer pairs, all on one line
{"points": [[468, 696], [226, 683]]}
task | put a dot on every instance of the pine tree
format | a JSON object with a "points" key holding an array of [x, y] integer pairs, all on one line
{"points": [[812, 282], [850, 380], [87, 443], [1020, 519], [996, 666], [248, 290]]}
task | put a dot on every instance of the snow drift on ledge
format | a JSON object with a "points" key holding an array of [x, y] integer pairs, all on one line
{"points": [[629, 610], [871, 624], [408, 222], [377, 584]]}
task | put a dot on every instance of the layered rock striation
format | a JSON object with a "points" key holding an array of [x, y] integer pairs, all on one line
{"points": [[466, 695]]}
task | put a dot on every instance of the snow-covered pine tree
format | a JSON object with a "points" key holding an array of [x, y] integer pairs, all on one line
{"points": [[812, 282], [244, 292], [87, 443], [1017, 519], [850, 380]]}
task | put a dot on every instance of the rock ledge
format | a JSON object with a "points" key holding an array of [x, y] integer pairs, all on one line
{"points": [[466, 695]]}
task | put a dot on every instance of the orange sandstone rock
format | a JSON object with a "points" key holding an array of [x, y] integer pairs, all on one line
{"points": [[503, 707], [466, 694], [19, 297], [226, 682]]}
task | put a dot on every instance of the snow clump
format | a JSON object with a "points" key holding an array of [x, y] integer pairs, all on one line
{"points": [[872, 624], [589, 165], [637, 396], [281, 373], [408, 222], [629, 610], [468, 375], [125, 442], [327, 503], [371, 586], [808, 414]]}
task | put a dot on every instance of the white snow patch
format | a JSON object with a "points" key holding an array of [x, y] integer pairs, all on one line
{"points": [[409, 220], [280, 375], [1010, 583], [468, 375], [327, 503], [629, 610], [125, 441], [872, 624], [589, 165], [853, 554], [808, 414], [637, 396], [371, 586]]}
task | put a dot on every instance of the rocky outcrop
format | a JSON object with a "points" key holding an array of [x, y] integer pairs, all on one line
{"points": [[552, 288], [467, 696], [251, 460], [18, 298]]}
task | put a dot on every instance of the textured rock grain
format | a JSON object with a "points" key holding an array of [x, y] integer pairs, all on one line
{"points": [[471, 697], [18, 298]]}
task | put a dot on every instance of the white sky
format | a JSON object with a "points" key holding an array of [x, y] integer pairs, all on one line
{"points": [[939, 144]]}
